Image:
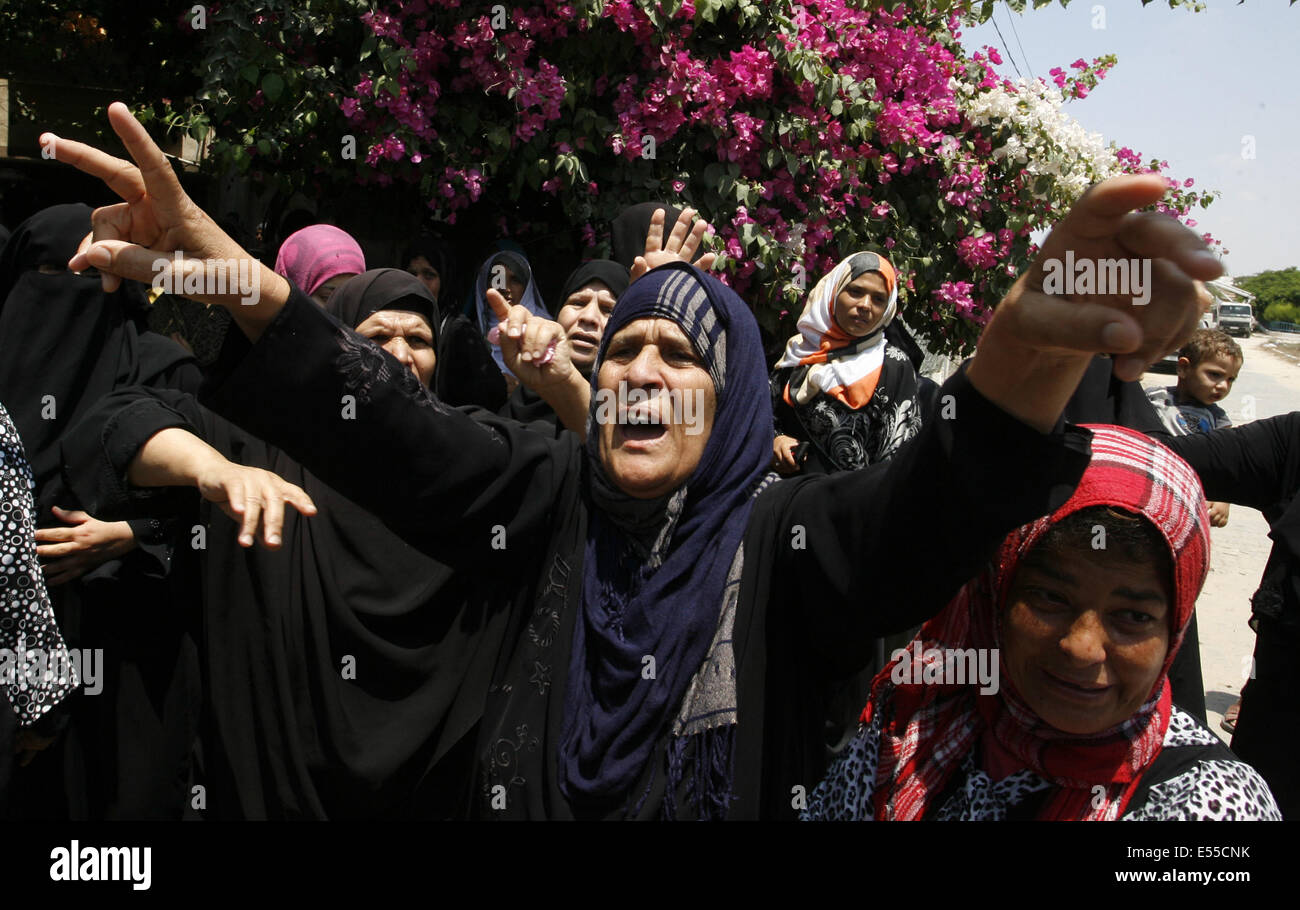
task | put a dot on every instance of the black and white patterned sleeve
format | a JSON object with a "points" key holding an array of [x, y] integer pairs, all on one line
{"points": [[1213, 790], [36, 670], [1217, 788]]}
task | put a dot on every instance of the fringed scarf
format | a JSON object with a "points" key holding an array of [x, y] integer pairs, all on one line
{"points": [[659, 574], [928, 729]]}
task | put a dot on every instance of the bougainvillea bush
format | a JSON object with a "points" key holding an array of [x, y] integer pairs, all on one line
{"points": [[802, 130]]}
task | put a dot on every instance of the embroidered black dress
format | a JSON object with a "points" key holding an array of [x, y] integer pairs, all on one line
{"points": [[829, 562]]}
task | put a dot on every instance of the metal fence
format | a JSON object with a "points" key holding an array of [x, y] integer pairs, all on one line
{"points": [[1289, 327]]}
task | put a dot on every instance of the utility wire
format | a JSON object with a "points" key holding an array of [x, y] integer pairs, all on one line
{"points": [[1015, 31], [1006, 46]]}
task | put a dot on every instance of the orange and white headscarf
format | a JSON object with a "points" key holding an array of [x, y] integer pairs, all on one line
{"points": [[830, 360]]}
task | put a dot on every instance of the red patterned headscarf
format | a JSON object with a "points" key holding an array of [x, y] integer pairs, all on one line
{"points": [[928, 729]]}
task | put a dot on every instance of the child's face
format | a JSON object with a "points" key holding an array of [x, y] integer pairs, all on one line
{"points": [[861, 304], [1210, 380]]}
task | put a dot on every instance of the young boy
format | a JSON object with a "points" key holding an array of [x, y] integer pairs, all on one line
{"points": [[1207, 367]]}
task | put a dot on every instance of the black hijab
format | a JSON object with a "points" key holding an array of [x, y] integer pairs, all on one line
{"points": [[64, 343], [612, 274], [432, 249], [382, 289], [633, 224], [464, 372]]}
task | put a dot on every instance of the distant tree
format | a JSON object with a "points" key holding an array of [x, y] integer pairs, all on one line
{"points": [[1272, 289]]}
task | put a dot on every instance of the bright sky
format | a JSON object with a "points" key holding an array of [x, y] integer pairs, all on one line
{"points": [[1188, 88]]}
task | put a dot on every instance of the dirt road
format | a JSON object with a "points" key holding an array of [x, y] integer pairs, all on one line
{"points": [[1269, 384]]}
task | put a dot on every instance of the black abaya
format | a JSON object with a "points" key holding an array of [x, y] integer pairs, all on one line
{"points": [[345, 671], [64, 344]]}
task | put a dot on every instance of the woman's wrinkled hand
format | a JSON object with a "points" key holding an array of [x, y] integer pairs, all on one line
{"points": [[1137, 325], [155, 221], [534, 348], [253, 497], [83, 544]]}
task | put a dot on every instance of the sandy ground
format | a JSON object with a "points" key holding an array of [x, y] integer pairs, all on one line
{"points": [[1268, 385]]}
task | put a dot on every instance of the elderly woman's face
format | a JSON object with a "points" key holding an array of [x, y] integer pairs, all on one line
{"points": [[405, 335], [583, 319], [652, 447], [1084, 637]]}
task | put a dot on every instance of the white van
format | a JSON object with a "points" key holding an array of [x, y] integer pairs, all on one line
{"points": [[1236, 318]]}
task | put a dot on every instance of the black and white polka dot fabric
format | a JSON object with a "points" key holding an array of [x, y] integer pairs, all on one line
{"points": [[36, 671]]}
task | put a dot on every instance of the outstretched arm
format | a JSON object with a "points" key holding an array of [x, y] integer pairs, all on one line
{"points": [[894, 542], [881, 549], [1255, 465], [1037, 347], [136, 443], [252, 496]]}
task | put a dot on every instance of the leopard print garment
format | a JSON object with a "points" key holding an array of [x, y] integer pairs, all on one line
{"points": [[1212, 790]]}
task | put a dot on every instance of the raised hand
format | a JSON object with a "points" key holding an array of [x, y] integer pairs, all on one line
{"points": [[680, 245], [156, 220], [534, 348], [1038, 344], [537, 351]]}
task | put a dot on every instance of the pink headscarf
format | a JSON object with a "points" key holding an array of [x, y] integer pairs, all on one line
{"points": [[312, 256]]}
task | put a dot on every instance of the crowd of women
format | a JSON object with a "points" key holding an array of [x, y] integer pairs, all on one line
{"points": [[384, 552]]}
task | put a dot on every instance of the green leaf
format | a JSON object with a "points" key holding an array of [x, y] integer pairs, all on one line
{"points": [[250, 73], [272, 87]]}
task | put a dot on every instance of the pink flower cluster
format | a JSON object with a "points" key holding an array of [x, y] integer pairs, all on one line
{"points": [[832, 125]]}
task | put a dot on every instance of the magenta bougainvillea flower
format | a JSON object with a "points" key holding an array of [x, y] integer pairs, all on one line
{"points": [[803, 131]]}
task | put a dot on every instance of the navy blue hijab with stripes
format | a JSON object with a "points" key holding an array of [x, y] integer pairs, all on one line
{"points": [[667, 607]]}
